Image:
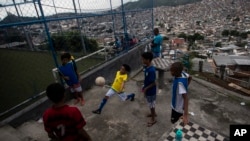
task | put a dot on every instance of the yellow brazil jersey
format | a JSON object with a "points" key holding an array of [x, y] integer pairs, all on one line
{"points": [[119, 79]]}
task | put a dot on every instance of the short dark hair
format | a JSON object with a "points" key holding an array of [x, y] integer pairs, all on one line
{"points": [[55, 92], [177, 68], [156, 30], [127, 67], [65, 55], [148, 56]]}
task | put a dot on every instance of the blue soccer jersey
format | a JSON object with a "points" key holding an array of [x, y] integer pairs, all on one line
{"points": [[69, 71], [150, 77], [180, 87]]}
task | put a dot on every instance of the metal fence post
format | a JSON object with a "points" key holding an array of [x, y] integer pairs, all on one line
{"points": [[48, 34], [80, 29]]}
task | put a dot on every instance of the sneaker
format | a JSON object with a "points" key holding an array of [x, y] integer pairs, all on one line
{"points": [[96, 111], [133, 97]]}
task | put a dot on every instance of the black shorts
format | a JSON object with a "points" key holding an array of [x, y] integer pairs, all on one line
{"points": [[175, 116]]}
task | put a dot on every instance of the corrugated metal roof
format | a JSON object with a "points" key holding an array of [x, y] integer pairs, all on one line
{"points": [[232, 60], [242, 61], [223, 60], [230, 47]]}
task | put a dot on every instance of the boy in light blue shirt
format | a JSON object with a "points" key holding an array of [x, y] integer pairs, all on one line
{"points": [[156, 43]]}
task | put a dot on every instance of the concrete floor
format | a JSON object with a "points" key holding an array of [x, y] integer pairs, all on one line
{"points": [[213, 108]]}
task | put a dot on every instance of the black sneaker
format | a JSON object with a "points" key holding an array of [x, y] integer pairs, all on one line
{"points": [[97, 111], [133, 97]]}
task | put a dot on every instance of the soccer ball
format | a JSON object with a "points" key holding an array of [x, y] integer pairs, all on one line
{"points": [[100, 81]]}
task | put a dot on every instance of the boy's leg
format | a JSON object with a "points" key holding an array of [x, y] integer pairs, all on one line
{"points": [[99, 110], [151, 104], [152, 110], [78, 91], [131, 97], [123, 96], [73, 91], [104, 101], [175, 116], [80, 97]]}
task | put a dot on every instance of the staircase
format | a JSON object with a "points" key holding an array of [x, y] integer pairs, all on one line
{"points": [[28, 131]]}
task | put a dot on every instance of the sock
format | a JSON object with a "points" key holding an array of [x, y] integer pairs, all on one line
{"points": [[102, 104], [130, 96]]}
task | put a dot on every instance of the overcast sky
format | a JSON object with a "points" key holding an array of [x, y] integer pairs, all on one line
{"points": [[61, 6]]}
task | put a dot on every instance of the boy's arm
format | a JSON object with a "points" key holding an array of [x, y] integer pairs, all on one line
{"points": [[122, 87], [63, 76], [152, 79], [185, 114], [84, 135], [149, 86]]}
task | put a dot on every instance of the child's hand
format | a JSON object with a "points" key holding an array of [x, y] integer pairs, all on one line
{"points": [[185, 119], [142, 89]]}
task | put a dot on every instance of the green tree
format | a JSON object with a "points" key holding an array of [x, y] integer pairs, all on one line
{"points": [[161, 25], [218, 44], [198, 22], [71, 41], [91, 44], [225, 33], [191, 38], [74, 41], [243, 35], [11, 35], [234, 33], [236, 19], [182, 35], [198, 36], [109, 30], [165, 38]]}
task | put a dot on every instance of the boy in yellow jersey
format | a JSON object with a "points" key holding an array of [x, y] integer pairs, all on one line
{"points": [[117, 88]]}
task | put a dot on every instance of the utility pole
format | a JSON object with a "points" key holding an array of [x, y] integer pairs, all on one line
{"points": [[48, 34]]}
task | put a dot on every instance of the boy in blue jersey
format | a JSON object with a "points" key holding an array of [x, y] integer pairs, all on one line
{"points": [[68, 71], [149, 87], [179, 94], [156, 43]]}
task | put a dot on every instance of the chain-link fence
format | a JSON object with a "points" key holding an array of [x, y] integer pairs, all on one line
{"points": [[34, 33]]}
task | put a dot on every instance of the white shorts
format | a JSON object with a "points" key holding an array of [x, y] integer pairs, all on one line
{"points": [[76, 88], [111, 92]]}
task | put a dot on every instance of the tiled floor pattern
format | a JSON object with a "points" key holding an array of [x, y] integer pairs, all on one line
{"points": [[194, 132]]}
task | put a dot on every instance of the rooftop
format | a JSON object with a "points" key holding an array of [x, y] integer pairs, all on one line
{"points": [[211, 109]]}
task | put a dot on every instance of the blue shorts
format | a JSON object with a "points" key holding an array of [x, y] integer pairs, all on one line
{"points": [[151, 101]]}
